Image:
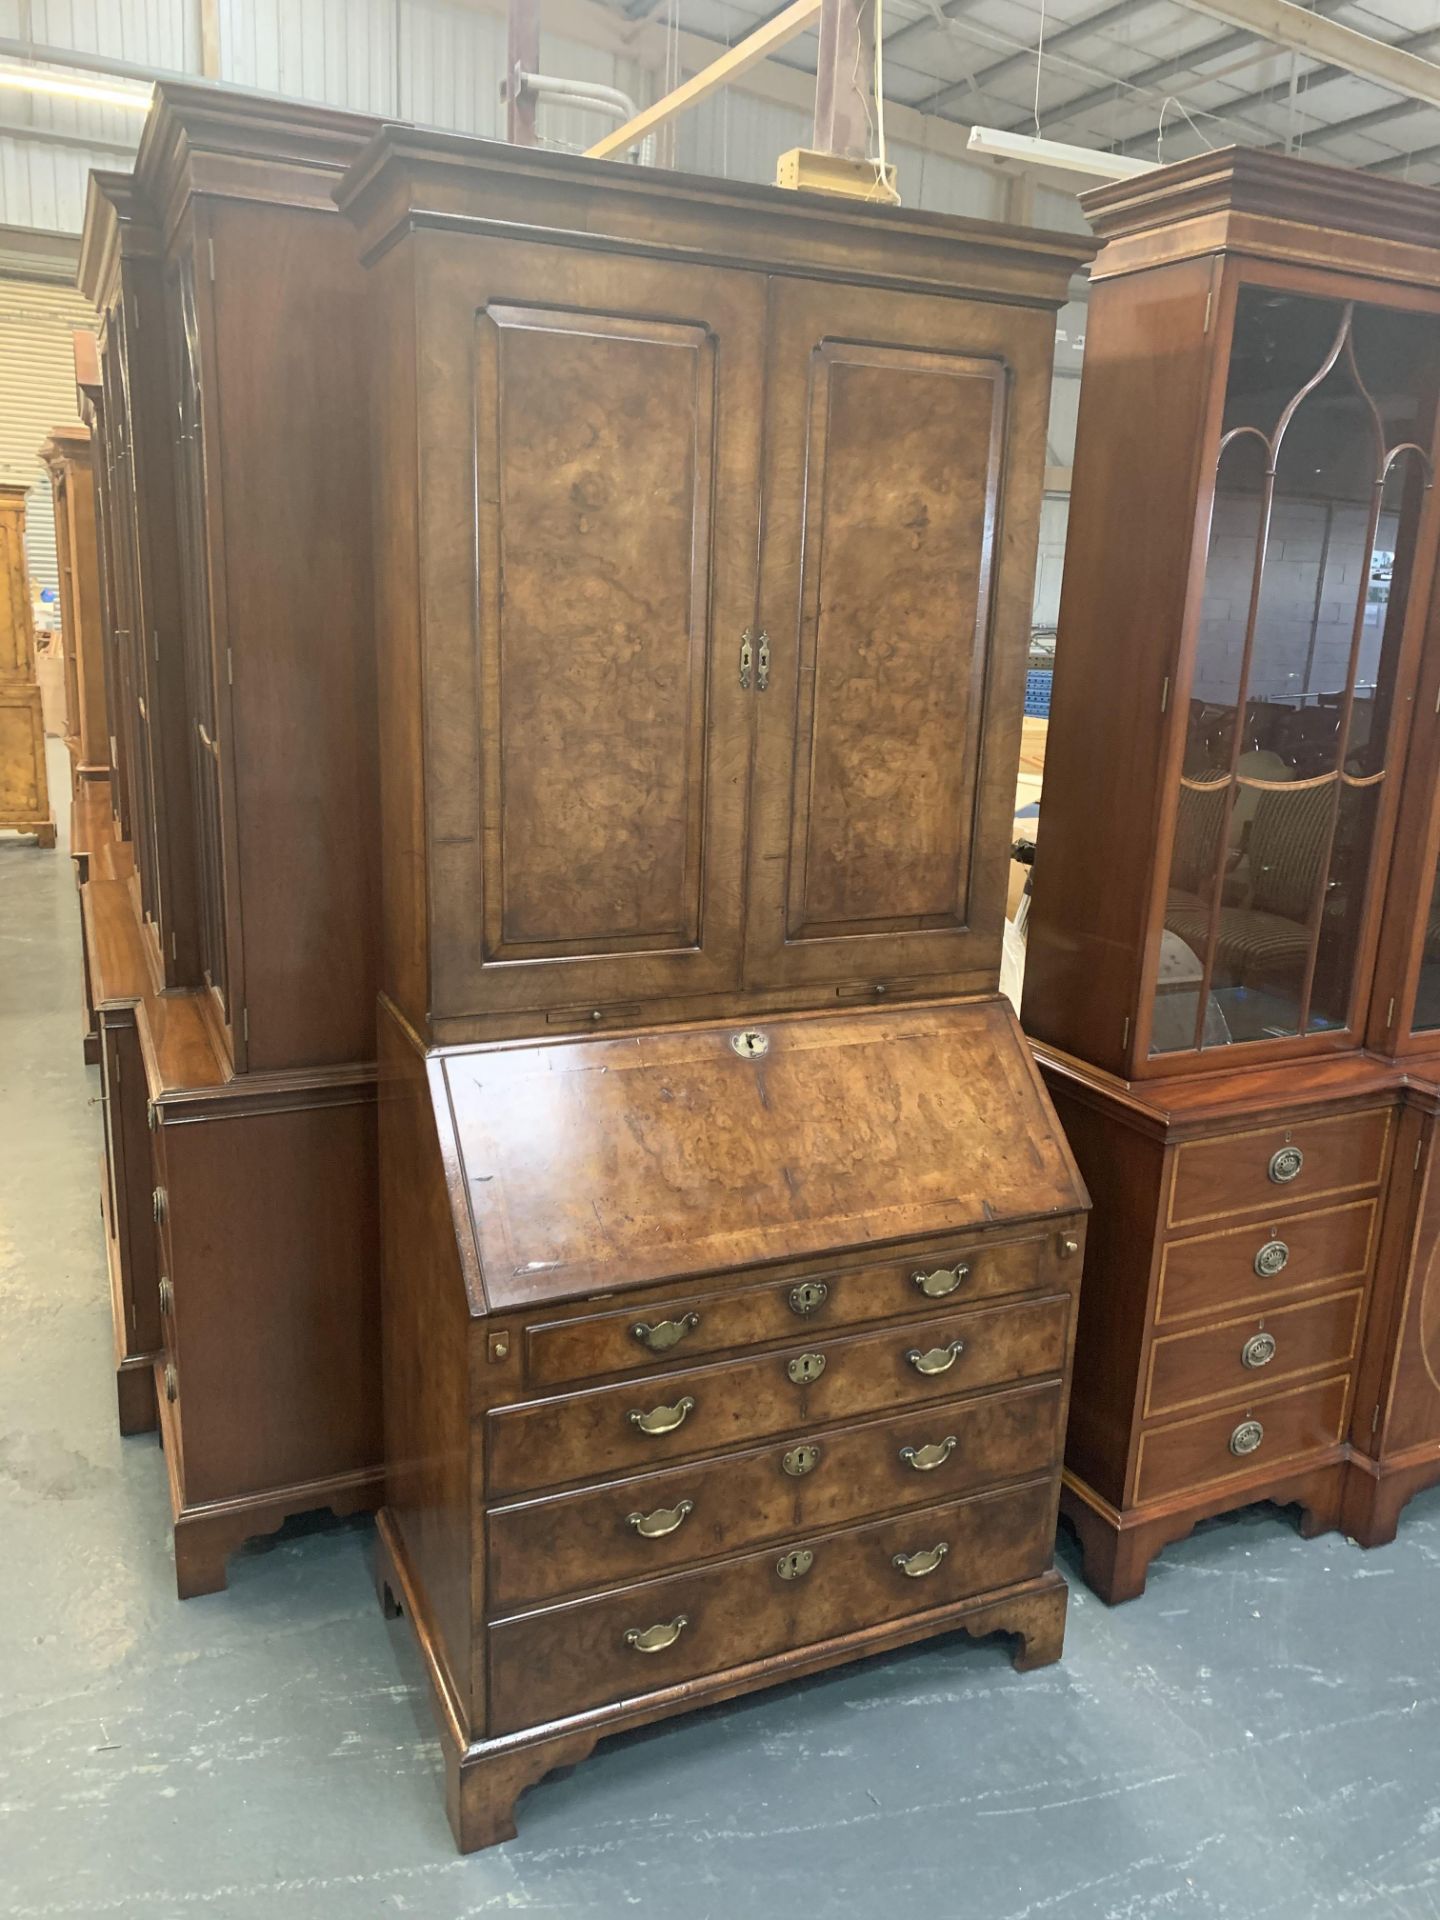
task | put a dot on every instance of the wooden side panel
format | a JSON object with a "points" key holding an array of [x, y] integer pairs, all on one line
{"points": [[404, 910], [587, 569], [425, 1323], [290, 429], [904, 445], [1123, 1171], [1127, 562], [274, 1243]]}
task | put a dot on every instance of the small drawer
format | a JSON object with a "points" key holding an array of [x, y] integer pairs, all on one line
{"points": [[583, 1436], [675, 1331], [1266, 1261], [631, 1529], [806, 1589], [1252, 1350], [1277, 1166], [1244, 1438]]}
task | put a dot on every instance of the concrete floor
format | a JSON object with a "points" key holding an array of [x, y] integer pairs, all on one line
{"points": [[1259, 1736]]}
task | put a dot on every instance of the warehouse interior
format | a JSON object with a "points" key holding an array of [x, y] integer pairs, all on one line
{"points": [[720, 957]]}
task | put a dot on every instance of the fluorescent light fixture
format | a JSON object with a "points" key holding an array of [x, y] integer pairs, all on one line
{"points": [[1054, 156], [96, 93]]}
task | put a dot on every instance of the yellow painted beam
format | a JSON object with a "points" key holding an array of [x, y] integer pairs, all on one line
{"points": [[730, 65]]}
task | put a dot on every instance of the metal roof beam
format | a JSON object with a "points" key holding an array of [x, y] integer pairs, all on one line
{"points": [[1119, 10], [1301, 31]]}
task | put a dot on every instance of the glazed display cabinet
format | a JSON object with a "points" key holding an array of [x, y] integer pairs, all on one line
{"points": [[1241, 681]]}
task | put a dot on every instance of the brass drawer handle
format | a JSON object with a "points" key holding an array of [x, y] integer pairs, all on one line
{"points": [[914, 1565], [938, 1359], [655, 1526], [805, 1368], [665, 1333], [809, 1296], [159, 1205], [657, 1638], [172, 1383], [663, 1419], [1258, 1350], [167, 1295], [944, 1280], [1272, 1258], [801, 1460], [926, 1459], [1246, 1437], [794, 1566], [1069, 1247], [1285, 1165]]}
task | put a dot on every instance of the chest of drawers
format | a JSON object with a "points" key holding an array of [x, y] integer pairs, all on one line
{"points": [[653, 1441]]}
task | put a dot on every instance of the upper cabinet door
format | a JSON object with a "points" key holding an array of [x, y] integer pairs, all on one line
{"points": [[903, 467], [588, 559]]}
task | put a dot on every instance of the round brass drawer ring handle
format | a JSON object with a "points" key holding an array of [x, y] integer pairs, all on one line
{"points": [[1258, 1350], [1272, 1258], [1285, 1165], [1246, 1437]]}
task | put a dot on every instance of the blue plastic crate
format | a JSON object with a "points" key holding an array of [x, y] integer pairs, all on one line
{"points": [[1037, 692]]}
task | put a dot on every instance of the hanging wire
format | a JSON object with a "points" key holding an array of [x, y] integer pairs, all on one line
{"points": [[1172, 100], [1039, 62]]}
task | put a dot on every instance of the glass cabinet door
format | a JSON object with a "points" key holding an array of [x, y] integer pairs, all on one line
{"points": [[1320, 478]]}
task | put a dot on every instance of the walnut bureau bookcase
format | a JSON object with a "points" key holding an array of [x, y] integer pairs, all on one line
{"points": [[235, 968], [24, 787], [1221, 953], [726, 1301]]}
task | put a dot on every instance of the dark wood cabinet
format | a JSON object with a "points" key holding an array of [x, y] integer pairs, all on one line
{"points": [[727, 1309], [1222, 942], [235, 524]]}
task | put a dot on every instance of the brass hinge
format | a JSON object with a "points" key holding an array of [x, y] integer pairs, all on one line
{"points": [[1209, 303], [174, 948], [210, 246], [1390, 1014], [245, 1024], [1165, 694], [229, 666], [1415, 1163], [1125, 1032], [1375, 1417], [155, 641]]}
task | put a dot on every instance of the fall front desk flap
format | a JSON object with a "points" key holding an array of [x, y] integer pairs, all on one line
{"points": [[649, 1156]]}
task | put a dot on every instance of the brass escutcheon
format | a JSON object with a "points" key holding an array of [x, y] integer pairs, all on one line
{"points": [[1246, 1437], [665, 1333], [938, 1359], [655, 1526], [944, 1280], [806, 1367], [801, 1460], [749, 1044], [808, 1296], [792, 1566], [1258, 1350], [663, 1419], [926, 1459], [926, 1560], [657, 1638]]}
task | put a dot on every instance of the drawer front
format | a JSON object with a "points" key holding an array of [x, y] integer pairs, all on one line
{"points": [[1268, 1261], [545, 1666], [1278, 1166], [682, 1328], [633, 1528], [584, 1435], [1251, 1351], [1214, 1446]]}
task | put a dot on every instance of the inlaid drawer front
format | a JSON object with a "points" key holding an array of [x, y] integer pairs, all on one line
{"points": [[1252, 1350], [1277, 1166], [805, 1589], [1269, 1429], [576, 1542], [581, 1436], [680, 1329], [1266, 1261]]}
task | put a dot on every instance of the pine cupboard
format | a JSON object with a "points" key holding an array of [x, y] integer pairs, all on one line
{"points": [[729, 1245], [1225, 969], [24, 789]]}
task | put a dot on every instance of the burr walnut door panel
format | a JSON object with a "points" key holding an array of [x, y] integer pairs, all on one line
{"points": [[894, 600], [597, 855]]}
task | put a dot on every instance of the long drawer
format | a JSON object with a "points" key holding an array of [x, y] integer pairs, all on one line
{"points": [[1278, 1166], [581, 1436], [1268, 1430], [560, 1351], [1266, 1261], [815, 1587], [1219, 1362], [651, 1523]]}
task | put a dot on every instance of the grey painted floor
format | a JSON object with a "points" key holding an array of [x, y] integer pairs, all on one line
{"points": [[1259, 1736]]}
